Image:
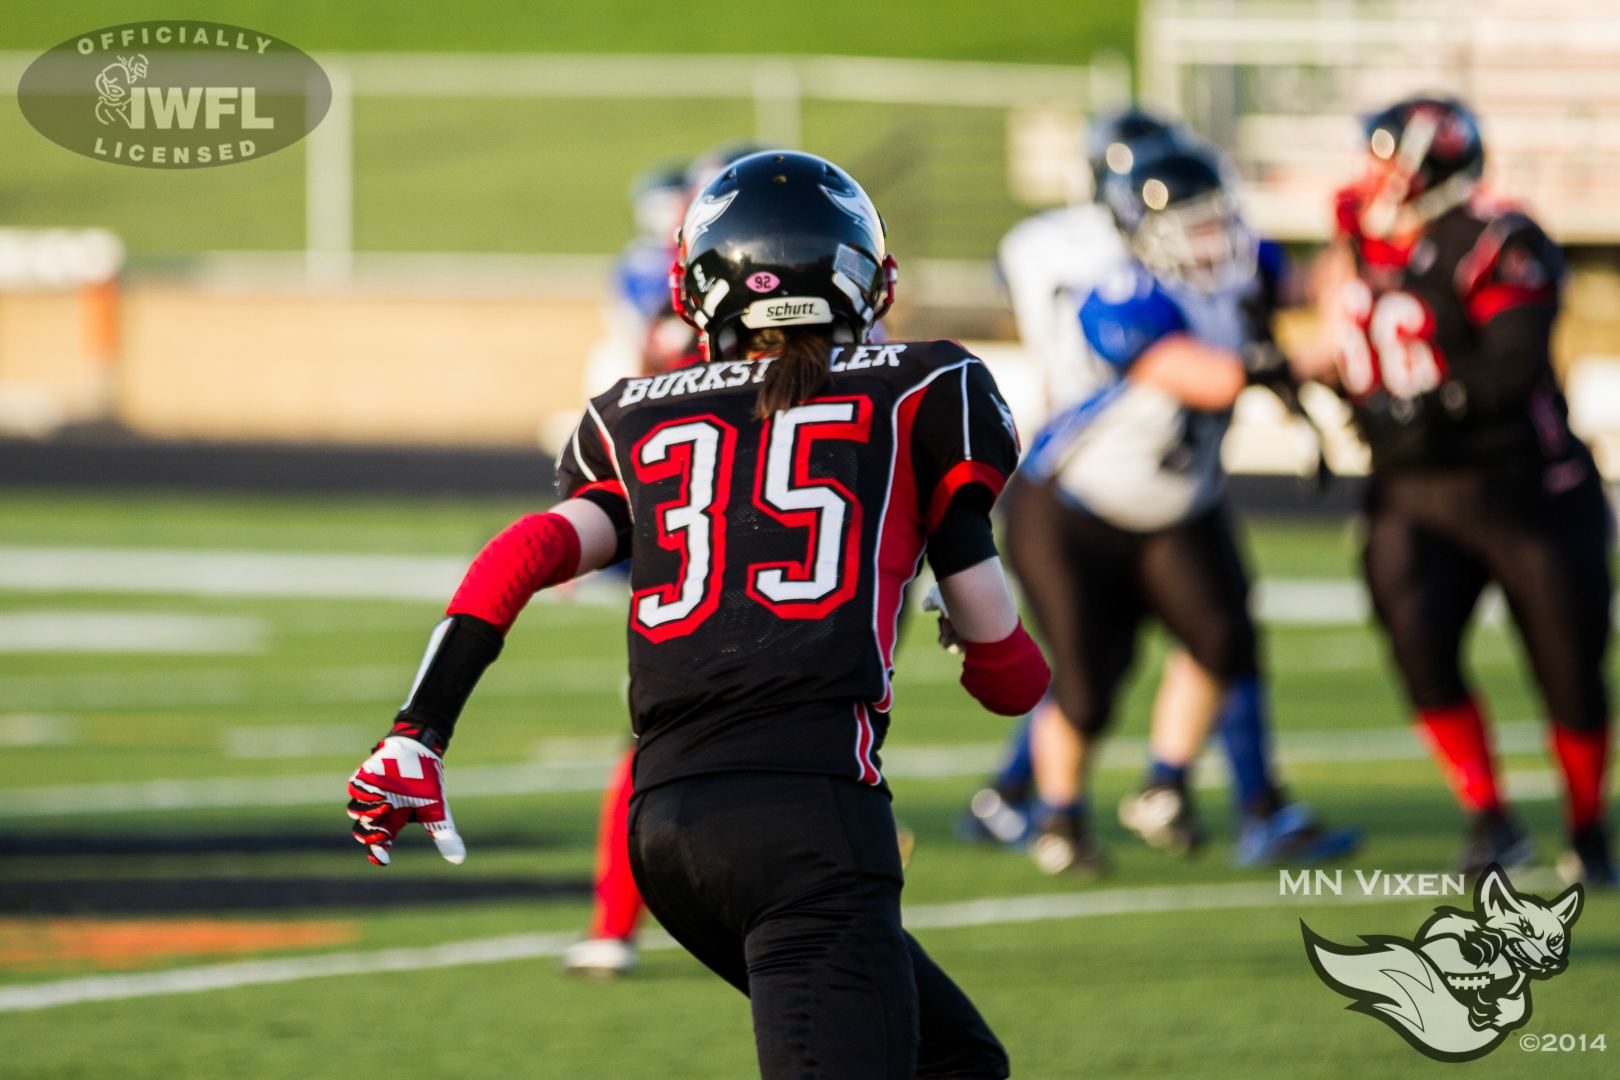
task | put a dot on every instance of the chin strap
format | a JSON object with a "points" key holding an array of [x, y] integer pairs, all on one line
{"points": [[891, 277]]}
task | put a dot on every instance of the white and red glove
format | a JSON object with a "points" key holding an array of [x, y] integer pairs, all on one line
{"points": [[401, 782], [1009, 676]]}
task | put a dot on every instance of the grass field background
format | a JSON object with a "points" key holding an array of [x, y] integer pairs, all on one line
{"points": [[550, 175], [1212, 993]]}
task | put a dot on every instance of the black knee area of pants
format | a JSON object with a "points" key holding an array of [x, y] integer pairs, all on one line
{"points": [[1436, 539], [1584, 724], [788, 886], [1090, 583], [1084, 711], [1225, 647]]}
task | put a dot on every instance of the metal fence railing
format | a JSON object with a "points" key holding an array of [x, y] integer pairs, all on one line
{"points": [[452, 152]]}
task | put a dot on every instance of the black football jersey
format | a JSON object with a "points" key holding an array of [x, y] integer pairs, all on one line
{"points": [[1445, 357], [768, 556]]}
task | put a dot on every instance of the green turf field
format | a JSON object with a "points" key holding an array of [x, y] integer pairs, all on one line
{"points": [[1173, 993], [1037, 31], [550, 175]]}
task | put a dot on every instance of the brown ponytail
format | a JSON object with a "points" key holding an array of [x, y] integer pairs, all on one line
{"points": [[801, 368]]}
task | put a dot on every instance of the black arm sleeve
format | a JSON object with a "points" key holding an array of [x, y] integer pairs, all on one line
{"points": [[963, 537], [461, 648]]}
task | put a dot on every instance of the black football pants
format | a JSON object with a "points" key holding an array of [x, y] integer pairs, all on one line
{"points": [[1090, 584], [788, 886], [1436, 537]]}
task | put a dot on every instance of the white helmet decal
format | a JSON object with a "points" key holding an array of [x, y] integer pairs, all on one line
{"points": [[857, 206], [703, 213]]}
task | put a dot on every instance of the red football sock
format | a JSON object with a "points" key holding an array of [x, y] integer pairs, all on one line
{"points": [[618, 901], [1456, 736], [1584, 757]]}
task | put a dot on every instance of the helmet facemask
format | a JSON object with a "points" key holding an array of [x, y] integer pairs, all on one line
{"points": [[1201, 241], [1398, 202]]}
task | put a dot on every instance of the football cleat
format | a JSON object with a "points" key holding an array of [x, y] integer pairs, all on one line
{"points": [[1291, 835], [1589, 859], [1066, 845], [991, 818], [601, 958], [1494, 837], [1164, 816]]}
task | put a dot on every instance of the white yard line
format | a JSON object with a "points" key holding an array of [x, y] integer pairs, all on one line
{"points": [[899, 762], [129, 632], [972, 913], [325, 575], [299, 686], [1304, 601]]}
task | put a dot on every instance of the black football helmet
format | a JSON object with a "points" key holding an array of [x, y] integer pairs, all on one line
{"points": [[1427, 155], [779, 239], [1182, 219], [1117, 141]]}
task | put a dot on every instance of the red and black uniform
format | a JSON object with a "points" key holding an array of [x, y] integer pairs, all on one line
{"points": [[768, 559], [1444, 357]]}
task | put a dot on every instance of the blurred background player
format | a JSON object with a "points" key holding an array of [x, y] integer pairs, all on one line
{"points": [[1145, 336], [639, 288], [1441, 302]]}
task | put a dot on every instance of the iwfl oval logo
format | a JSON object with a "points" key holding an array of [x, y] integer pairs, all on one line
{"points": [[174, 94]]}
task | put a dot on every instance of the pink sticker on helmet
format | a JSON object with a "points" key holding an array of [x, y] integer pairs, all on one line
{"points": [[764, 281]]}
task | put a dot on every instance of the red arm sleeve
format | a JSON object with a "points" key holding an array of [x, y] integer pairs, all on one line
{"points": [[534, 552]]}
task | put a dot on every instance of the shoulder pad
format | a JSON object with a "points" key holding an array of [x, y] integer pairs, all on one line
{"points": [[1126, 313], [1513, 249], [937, 352]]}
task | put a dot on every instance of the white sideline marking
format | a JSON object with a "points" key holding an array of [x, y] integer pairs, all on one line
{"points": [[549, 774], [37, 729], [295, 740], [1308, 602], [252, 573], [1305, 601], [128, 632], [229, 573], [369, 682], [989, 912]]}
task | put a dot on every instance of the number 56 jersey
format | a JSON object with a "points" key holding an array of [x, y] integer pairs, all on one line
{"points": [[768, 556]]}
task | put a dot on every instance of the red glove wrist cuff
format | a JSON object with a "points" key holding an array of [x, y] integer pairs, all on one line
{"points": [[534, 552], [1009, 676]]}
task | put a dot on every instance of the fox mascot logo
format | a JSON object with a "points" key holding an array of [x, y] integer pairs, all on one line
{"points": [[1456, 991]]}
